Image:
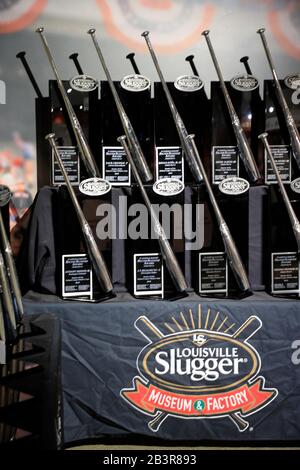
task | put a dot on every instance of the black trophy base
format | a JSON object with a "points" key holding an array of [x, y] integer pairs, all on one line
{"points": [[96, 299], [293, 296], [170, 296], [231, 295]]}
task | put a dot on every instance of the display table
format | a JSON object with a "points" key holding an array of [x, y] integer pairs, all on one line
{"points": [[213, 369]]}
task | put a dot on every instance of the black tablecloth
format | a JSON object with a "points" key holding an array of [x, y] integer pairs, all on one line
{"points": [[253, 346]]}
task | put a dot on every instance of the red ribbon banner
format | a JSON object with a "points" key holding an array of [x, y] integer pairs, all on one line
{"points": [[150, 398]]}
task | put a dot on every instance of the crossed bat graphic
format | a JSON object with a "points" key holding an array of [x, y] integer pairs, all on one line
{"points": [[153, 334]]}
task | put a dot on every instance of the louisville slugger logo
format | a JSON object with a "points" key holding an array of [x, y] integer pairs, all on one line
{"points": [[135, 83], [83, 83], [244, 83], [206, 369]]}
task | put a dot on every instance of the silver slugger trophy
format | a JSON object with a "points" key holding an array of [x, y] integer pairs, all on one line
{"points": [[191, 157], [242, 142], [165, 247], [94, 253], [292, 216], [232, 253], [290, 122], [83, 146], [132, 139]]}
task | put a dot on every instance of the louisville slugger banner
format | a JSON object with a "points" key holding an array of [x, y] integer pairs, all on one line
{"points": [[204, 368]]}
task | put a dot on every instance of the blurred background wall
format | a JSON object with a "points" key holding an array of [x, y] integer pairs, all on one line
{"points": [[175, 27]]}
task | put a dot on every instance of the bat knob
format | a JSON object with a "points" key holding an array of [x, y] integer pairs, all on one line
{"points": [[189, 58], [21, 54], [262, 136], [73, 56], [5, 195], [145, 34], [261, 30], [39, 30], [205, 33], [190, 137], [130, 55], [244, 59], [50, 136], [121, 139], [91, 31]]}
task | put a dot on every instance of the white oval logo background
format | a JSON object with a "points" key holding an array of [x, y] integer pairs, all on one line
{"points": [[295, 185], [244, 83], [188, 83], [83, 83], [94, 187], [168, 187], [234, 186], [292, 81], [135, 83]]}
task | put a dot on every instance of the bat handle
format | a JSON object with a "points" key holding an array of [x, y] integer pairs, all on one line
{"points": [[155, 423], [190, 59], [160, 416], [133, 62], [244, 60], [241, 423], [74, 57]]}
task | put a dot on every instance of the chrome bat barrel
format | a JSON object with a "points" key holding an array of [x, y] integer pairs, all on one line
{"points": [[231, 250], [2, 326], [5, 196], [242, 142], [292, 216], [134, 144], [191, 157], [7, 301], [165, 247], [83, 146], [290, 122], [94, 253]]}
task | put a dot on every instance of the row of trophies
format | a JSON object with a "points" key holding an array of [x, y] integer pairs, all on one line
{"points": [[193, 149]]}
